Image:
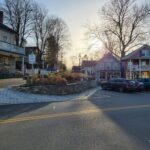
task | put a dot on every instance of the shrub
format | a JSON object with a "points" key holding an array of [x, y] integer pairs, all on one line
{"points": [[48, 80], [74, 77], [58, 78]]}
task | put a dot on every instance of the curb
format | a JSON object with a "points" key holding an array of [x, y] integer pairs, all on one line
{"points": [[82, 96]]}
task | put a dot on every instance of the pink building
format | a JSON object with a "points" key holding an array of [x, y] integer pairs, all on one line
{"points": [[137, 63]]}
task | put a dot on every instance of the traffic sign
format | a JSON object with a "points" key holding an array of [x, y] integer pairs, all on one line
{"points": [[32, 58]]}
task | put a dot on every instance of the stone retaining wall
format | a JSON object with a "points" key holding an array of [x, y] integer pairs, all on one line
{"points": [[57, 90]]}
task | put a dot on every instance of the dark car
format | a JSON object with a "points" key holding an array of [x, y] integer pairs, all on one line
{"points": [[138, 85], [119, 84], [146, 82]]}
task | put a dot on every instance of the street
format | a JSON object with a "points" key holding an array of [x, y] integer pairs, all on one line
{"points": [[106, 121]]}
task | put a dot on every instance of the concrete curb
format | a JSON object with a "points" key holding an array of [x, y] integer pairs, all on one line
{"points": [[10, 97]]}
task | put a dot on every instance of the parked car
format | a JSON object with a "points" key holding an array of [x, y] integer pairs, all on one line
{"points": [[119, 84], [139, 85], [146, 82]]}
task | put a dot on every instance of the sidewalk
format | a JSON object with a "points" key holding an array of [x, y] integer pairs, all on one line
{"points": [[8, 96], [13, 81]]}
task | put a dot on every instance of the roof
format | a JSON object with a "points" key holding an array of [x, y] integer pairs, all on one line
{"points": [[76, 68], [6, 28], [136, 53], [89, 63], [107, 57]]}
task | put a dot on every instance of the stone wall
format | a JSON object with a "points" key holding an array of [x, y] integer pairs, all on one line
{"points": [[58, 90]]}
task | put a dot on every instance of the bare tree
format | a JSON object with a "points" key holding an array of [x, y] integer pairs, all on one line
{"points": [[40, 29], [58, 38], [59, 29], [18, 17], [50, 34], [124, 26]]}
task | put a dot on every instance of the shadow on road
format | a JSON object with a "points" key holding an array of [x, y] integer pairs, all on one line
{"points": [[9, 111], [134, 122]]}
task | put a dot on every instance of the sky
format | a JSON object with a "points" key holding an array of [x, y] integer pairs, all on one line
{"points": [[76, 14]]}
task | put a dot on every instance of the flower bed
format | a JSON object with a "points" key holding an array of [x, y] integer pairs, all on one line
{"points": [[68, 89], [57, 84], [63, 78]]}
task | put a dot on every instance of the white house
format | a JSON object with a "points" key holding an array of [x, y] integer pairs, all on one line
{"points": [[9, 52], [89, 67], [108, 67]]}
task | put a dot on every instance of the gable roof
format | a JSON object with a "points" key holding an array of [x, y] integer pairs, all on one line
{"points": [[6, 28], [89, 63], [136, 53], [107, 57]]}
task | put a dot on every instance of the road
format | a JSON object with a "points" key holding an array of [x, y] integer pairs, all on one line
{"points": [[105, 121]]}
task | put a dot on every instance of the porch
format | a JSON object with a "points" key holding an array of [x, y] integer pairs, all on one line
{"points": [[138, 68], [9, 54]]}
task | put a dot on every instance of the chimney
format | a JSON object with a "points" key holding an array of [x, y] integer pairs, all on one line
{"points": [[1, 17]]}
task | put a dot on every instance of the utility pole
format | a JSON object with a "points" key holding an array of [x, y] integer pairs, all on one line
{"points": [[79, 59]]}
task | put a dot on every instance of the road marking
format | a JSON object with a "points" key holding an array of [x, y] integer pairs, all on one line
{"points": [[66, 114], [89, 95]]}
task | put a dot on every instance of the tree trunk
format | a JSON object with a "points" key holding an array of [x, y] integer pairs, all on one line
{"points": [[122, 65]]}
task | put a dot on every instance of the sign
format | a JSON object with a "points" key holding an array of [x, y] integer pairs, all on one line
{"points": [[32, 58]]}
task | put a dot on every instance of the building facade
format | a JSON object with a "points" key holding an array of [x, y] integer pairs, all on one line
{"points": [[9, 52], [137, 63], [108, 67], [76, 69], [89, 67]]}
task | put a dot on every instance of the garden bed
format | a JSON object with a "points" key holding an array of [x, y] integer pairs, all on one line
{"points": [[64, 83], [57, 89]]}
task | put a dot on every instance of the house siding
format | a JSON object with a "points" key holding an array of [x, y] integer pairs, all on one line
{"points": [[108, 67], [137, 64], [7, 37]]}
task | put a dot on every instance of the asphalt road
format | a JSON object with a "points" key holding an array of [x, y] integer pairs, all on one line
{"points": [[106, 121]]}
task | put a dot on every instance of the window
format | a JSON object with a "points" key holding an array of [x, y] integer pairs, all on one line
{"points": [[145, 53], [143, 63], [5, 38]]}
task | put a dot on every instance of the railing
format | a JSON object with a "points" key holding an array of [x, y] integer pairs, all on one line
{"points": [[113, 67], [11, 48], [139, 68]]}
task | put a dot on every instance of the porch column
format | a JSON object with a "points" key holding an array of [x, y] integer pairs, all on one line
{"points": [[99, 74], [130, 69], [23, 68], [106, 75], [140, 69]]}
